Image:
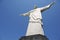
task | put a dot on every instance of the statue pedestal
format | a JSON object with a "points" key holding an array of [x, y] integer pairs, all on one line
{"points": [[34, 37]]}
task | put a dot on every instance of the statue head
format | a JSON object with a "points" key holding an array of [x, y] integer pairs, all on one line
{"points": [[35, 6]]}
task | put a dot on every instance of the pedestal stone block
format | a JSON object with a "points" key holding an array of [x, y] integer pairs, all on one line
{"points": [[34, 37]]}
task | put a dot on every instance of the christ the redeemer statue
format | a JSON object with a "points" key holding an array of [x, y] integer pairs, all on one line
{"points": [[35, 20]]}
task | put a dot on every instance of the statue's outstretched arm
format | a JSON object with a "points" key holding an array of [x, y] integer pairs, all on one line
{"points": [[47, 7], [25, 14]]}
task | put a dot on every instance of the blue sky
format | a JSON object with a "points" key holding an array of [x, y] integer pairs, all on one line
{"points": [[13, 26]]}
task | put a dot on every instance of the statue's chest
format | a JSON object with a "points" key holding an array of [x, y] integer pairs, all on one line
{"points": [[36, 13]]}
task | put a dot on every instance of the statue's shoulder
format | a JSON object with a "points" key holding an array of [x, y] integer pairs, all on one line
{"points": [[31, 11], [38, 9]]}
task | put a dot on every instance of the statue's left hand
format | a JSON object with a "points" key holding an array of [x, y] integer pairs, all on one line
{"points": [[53, 3]]}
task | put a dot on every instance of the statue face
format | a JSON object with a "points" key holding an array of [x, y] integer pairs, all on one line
{"points": [[35, 6]]}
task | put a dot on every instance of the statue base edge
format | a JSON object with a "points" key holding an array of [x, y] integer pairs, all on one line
{"points": [[34, 37]]}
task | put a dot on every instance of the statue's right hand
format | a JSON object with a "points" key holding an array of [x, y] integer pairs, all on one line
{"points": [[22, 15]]}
